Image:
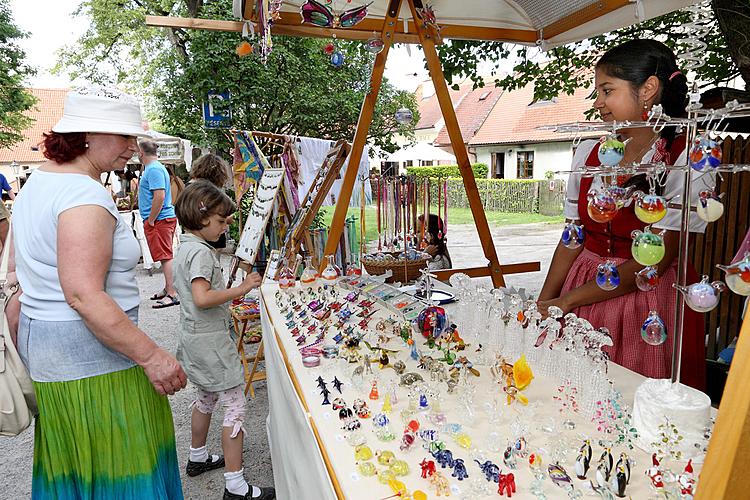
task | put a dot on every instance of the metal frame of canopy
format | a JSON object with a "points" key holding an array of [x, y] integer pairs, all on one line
{"points": [[724, 473]]}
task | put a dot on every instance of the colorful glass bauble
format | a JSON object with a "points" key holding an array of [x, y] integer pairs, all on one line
{"points": [[705, 153], [620, 194], [607, 276], [602, 207], [310, 274], [647, 248], [611, 151], [702, 296], [572, 235], [286, 278], [653, 331], [709, 208], [244, 48], [337, 59], [367, 469], [431, 321], [646, 279], [404, 116], [737, 276], [329, 49], [650, 208], [375, 45]]}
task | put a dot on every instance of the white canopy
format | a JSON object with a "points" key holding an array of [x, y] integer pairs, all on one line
{"points": [[421, 151], [549, 22]]}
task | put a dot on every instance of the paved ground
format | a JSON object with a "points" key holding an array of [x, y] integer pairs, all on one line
{"points": [[514, 244]]}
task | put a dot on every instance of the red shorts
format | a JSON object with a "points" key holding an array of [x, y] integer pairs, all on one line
{"points": [[159, 238]]}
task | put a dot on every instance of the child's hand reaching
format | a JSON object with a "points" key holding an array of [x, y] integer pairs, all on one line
{"points": [[251, 281]]}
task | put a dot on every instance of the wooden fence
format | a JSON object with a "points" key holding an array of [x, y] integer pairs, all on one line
{"points": [[720, 242]]}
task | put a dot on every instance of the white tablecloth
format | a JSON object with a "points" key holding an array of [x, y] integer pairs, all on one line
{"points": [[300, 471]]}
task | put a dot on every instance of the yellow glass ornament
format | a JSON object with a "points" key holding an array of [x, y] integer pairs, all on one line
{"points": [[463, 440], [362, 453], [387, 407]]}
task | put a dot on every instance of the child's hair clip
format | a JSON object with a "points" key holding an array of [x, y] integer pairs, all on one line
{"points": [[202, 208]]}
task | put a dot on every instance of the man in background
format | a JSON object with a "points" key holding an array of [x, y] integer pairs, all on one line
{"points": [[159, 221]]}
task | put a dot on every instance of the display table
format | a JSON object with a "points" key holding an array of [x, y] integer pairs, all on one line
{"points": [[313, 460]]}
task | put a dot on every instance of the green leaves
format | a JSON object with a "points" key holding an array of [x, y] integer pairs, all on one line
{"points": [[14, 98]]}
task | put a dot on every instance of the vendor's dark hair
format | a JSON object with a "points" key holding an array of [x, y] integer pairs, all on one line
{"points": [[436, 228], [199, 201], [63, 148], [212, 168], [635, 61]]}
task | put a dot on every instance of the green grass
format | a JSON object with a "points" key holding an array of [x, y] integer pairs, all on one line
{"points": [[456, 216]]}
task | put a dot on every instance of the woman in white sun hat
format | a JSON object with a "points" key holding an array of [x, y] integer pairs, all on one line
{"points": [[105, 426]]}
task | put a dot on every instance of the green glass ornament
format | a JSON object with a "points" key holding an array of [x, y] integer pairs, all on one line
{"points": [[647, 248]]}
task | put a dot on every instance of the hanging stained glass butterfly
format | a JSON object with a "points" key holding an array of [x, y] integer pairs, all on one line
{"points": [[322, 15]]}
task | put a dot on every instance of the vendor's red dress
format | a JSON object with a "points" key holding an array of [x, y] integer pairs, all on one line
{"points": [[624, 315]]}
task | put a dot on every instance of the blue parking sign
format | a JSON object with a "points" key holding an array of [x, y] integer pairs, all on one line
{"points": [[216, 110]]}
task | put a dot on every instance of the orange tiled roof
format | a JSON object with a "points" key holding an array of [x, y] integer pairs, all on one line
{"points": [[471, 112], [45, 113], [514, 121], [429, 109]]}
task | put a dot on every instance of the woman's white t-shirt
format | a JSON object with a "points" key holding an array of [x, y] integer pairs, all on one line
{"points": [[35, 216]]}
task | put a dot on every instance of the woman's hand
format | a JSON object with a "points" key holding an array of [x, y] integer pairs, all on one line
{"points": [[164, 372], [543, 306]]}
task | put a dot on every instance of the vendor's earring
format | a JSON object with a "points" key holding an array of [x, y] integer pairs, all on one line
{"points": [[645, 113], [87, 145]]}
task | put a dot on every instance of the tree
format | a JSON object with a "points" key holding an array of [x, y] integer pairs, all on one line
{"points": [[14, 98], [565, 68], [296, 92]]}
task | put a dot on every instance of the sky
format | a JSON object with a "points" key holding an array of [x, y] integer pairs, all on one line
{"points": [[53, 26]]}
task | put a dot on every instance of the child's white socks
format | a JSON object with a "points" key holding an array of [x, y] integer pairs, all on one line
{"points": [[199, 454], [237, 485]]}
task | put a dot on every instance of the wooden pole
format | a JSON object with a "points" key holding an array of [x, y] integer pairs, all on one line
{"points": [[363, 127], [457, 142], [724, 473]]}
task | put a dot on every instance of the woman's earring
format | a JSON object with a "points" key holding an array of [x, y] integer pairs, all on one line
{"points": [[87, 145], [645, 113]]}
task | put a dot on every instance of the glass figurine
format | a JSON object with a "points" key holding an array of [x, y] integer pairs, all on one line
{"points": [[710, 208], [331, 272], [309, 274], [653, 331], [287, 275], [737, 275], [647, 247], [702, 296], [646, 279], [705, 153], [572, 235], [602, 206], [607, 276], [650, 208]]}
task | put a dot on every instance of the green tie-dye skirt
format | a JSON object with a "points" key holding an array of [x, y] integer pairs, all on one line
{"points": [[104, 437]]}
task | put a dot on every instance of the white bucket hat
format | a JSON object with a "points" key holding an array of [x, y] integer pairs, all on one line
{"points": [[102, 110]]}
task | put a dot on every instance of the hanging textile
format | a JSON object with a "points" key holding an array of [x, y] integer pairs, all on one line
{"points": [[248, 163]]}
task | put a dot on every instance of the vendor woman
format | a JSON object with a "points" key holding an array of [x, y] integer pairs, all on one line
{"points": [[436, 247], [630, 79]]}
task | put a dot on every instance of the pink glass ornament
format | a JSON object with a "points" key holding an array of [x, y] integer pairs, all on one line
{"points": [[702, 296]]}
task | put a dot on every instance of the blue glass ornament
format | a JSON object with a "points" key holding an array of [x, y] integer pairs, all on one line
{"points": [[653, 331], [404, 116], [572, 235], [337, 59], [611, 151], [705, 153], [607, 276]]}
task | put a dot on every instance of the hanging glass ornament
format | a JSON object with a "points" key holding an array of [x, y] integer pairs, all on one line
{"points": [[705, 153], [572, 235], [244, 48], [375, 44], [737, 275], [602, 207], [329, 49], [646, 279], [653, 331], [620, 194], [607, 276], [337, 59], [647, 248], [404, 116], [703, 296], [611, 150], [709, 208], [650, 208]]}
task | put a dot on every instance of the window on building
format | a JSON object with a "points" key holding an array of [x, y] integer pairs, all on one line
{"points": [[389, 168], [525, 165], [426, 163], [408, 163], [498, 168]]}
